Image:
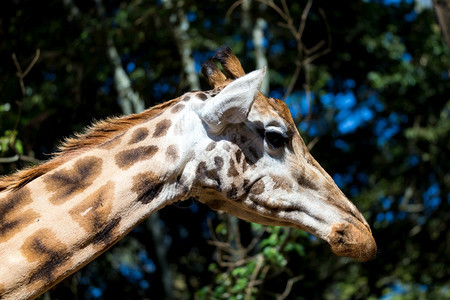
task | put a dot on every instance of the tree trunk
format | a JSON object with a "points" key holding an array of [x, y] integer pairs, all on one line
{"points": [[442, 9], [260, 52], [180, 26], [129, 101], [256, 32]]}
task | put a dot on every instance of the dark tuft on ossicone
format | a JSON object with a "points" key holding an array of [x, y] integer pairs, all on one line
{"points": [[223, 53]]}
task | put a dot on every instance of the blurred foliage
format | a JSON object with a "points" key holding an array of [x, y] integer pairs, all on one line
{"points": [[380, 109], [247, 268]]}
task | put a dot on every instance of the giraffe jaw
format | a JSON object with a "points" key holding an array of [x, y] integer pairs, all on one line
{"points": [[353, 240]]}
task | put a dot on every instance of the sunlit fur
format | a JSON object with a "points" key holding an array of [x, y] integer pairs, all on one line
{"points": [[95, 135], [57, 217]]}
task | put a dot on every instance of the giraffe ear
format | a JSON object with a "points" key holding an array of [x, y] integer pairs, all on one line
{"points": [[233, 103]]}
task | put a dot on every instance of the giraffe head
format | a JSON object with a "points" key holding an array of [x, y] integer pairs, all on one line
{"points": [[253, 163]]}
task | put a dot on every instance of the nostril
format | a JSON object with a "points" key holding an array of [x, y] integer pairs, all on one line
{"points": [[348, 240], [338, 235], [340, 232]]}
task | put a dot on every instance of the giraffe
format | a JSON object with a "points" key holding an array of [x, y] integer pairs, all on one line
{"points": [[231, 148]]}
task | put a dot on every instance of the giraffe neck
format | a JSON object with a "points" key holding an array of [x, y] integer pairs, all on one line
{"points": [[63, 219]]}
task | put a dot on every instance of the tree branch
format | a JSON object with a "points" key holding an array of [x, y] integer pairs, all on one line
{"points": [[289, 286], [298, 68], [21, 75], [252, 282], [302, 25], [180, 25]]}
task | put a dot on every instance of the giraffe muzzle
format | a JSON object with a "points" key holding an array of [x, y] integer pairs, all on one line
{"points": [[351, 241]]}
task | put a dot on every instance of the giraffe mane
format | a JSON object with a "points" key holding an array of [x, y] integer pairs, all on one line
{"points": [[95, 135]]}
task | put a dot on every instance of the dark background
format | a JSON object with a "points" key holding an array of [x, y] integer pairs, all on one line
{"points": [[366, 81]]}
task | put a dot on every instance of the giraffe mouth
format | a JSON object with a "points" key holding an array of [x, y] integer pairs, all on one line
{"points": [[348, 240]]}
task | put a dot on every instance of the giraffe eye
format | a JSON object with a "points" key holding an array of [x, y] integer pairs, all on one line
{"points": [[275, 139]]}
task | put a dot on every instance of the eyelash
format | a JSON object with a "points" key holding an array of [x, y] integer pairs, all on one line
{"points": [[275, 139]]}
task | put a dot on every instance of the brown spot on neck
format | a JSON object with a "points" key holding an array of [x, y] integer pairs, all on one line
{"points": [[66, 183], [138, 135], [13, 217], [177, 108], [202, 96], [48, 252], [2, 290], [172, 153], [125, 159], [147, 186], [93, 212], [108, 235], [161, 128]]}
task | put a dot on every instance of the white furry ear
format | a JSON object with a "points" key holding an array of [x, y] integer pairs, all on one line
{"points": [[233, 103]]}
